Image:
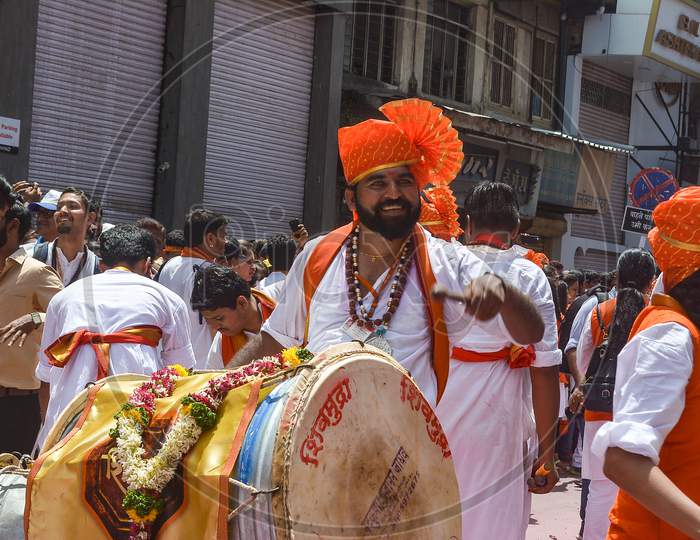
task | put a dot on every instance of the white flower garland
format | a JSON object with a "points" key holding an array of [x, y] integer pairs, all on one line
{"points": [[153, 473]]}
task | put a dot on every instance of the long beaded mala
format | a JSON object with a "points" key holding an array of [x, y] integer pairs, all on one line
{"points": [[365, 319]]}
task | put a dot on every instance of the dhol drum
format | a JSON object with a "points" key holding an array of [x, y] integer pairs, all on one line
{"points": [[347, 448]]}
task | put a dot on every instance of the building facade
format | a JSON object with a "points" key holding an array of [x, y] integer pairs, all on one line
{"points": [[499, 70], [156, 106], [633, 80]]}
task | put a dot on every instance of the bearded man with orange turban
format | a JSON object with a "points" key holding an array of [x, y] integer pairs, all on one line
{"points": [[371, 280], [652, 446]]}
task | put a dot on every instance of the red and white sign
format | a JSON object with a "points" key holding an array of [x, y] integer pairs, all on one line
{"points": [[9, 134]]}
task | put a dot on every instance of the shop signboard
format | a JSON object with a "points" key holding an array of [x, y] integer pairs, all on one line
{"points": [[9, 135]]}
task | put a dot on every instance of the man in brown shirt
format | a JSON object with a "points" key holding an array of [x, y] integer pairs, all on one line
{"points": [[26, 287]]}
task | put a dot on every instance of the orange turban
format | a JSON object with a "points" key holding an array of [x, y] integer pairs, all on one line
{"points": [[439, 213], [540, 259], [416, 135], [675, 241]]}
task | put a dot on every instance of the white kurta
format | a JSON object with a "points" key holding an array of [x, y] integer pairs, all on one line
{"points": [[107, 303], [487, 414], [408, 334], [652, 374], [578, 326], [273, 285], [70, 268], [178, 276]]}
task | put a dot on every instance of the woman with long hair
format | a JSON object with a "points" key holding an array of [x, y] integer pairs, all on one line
{"points": [[652, 447], [610, 321]]}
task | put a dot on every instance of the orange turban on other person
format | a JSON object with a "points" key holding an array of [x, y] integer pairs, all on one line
{"points": [[540, 259], [675, 240], [439, 213], [416, 135]]}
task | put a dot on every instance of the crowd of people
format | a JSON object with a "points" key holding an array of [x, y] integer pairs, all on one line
{"points": [[529, 366]]}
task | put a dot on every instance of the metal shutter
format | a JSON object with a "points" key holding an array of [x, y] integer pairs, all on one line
{"points": [[96, 89], [600, 261], [259, 113], [598, 123]]}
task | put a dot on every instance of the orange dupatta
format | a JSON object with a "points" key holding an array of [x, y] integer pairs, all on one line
{"points": [[230, 345]]}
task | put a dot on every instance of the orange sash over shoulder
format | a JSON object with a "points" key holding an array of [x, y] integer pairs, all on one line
{"points": [[327, 249], [680, 453], [607, 313], [61, 351], [230, 345]]}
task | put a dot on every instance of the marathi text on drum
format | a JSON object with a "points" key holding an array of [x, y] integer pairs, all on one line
{"points": [[410, 393], [329, 415], [394, 494]]}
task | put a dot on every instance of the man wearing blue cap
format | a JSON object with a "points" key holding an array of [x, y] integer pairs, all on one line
{"points": [[44, 211]]}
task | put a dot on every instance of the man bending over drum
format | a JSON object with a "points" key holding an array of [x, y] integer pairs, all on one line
{"points": [[116, 322], [231, 308], [371, 280]]}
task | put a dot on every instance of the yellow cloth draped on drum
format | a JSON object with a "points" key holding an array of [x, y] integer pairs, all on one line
{"points": [[57, 493]]}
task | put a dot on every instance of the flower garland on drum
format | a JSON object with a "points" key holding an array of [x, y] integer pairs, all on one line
{"points": [[147, 477]]}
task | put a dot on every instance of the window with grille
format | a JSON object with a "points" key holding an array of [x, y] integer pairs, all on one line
{"points": [[447, 50], [597, 94], [502, 63], [542, 92], [370, 40]]}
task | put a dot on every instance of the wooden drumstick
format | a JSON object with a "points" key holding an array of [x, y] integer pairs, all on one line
{"points": [[440, 292]]}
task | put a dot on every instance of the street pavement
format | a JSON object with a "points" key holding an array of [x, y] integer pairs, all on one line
{"points": [[555, 515]]}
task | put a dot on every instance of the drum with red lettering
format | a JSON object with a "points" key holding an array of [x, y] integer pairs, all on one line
{"points": [[347, 449]]}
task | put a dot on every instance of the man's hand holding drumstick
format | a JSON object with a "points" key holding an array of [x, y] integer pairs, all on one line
{"points": [[488, 296]]}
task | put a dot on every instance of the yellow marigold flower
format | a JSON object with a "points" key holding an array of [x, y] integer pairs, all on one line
{"points": [[134, 414], [290, 356], [181, 371], [148, 518]]}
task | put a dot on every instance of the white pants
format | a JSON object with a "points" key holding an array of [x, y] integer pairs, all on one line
{"points": [[601, 496]]}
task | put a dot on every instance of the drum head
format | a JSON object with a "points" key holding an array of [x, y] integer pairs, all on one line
{"points": [[360, 454]]}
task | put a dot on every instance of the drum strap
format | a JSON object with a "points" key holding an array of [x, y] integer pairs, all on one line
{"points": [[328, 248]]}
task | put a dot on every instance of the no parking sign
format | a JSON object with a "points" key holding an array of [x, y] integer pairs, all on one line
{"points": [[651, 187]]}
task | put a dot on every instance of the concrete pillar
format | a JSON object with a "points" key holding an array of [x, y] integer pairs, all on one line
{"points": [[184, 110], [320, 206]]}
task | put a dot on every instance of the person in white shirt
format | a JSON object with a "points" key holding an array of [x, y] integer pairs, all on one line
{"points": [[205, 235], [280, 250], [635, 271], [115, 322], [495, 405], [651, 449], [68, 254]]}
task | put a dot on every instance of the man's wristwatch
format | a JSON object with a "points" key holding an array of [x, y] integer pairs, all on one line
{"points": [[36, 319]]}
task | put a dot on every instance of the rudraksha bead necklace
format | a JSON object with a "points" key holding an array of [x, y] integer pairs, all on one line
{"points": [[365, 319]]}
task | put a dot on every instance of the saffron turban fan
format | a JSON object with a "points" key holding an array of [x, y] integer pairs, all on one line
{"points": [[416, 134], [439, 213], [675, 239]]}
